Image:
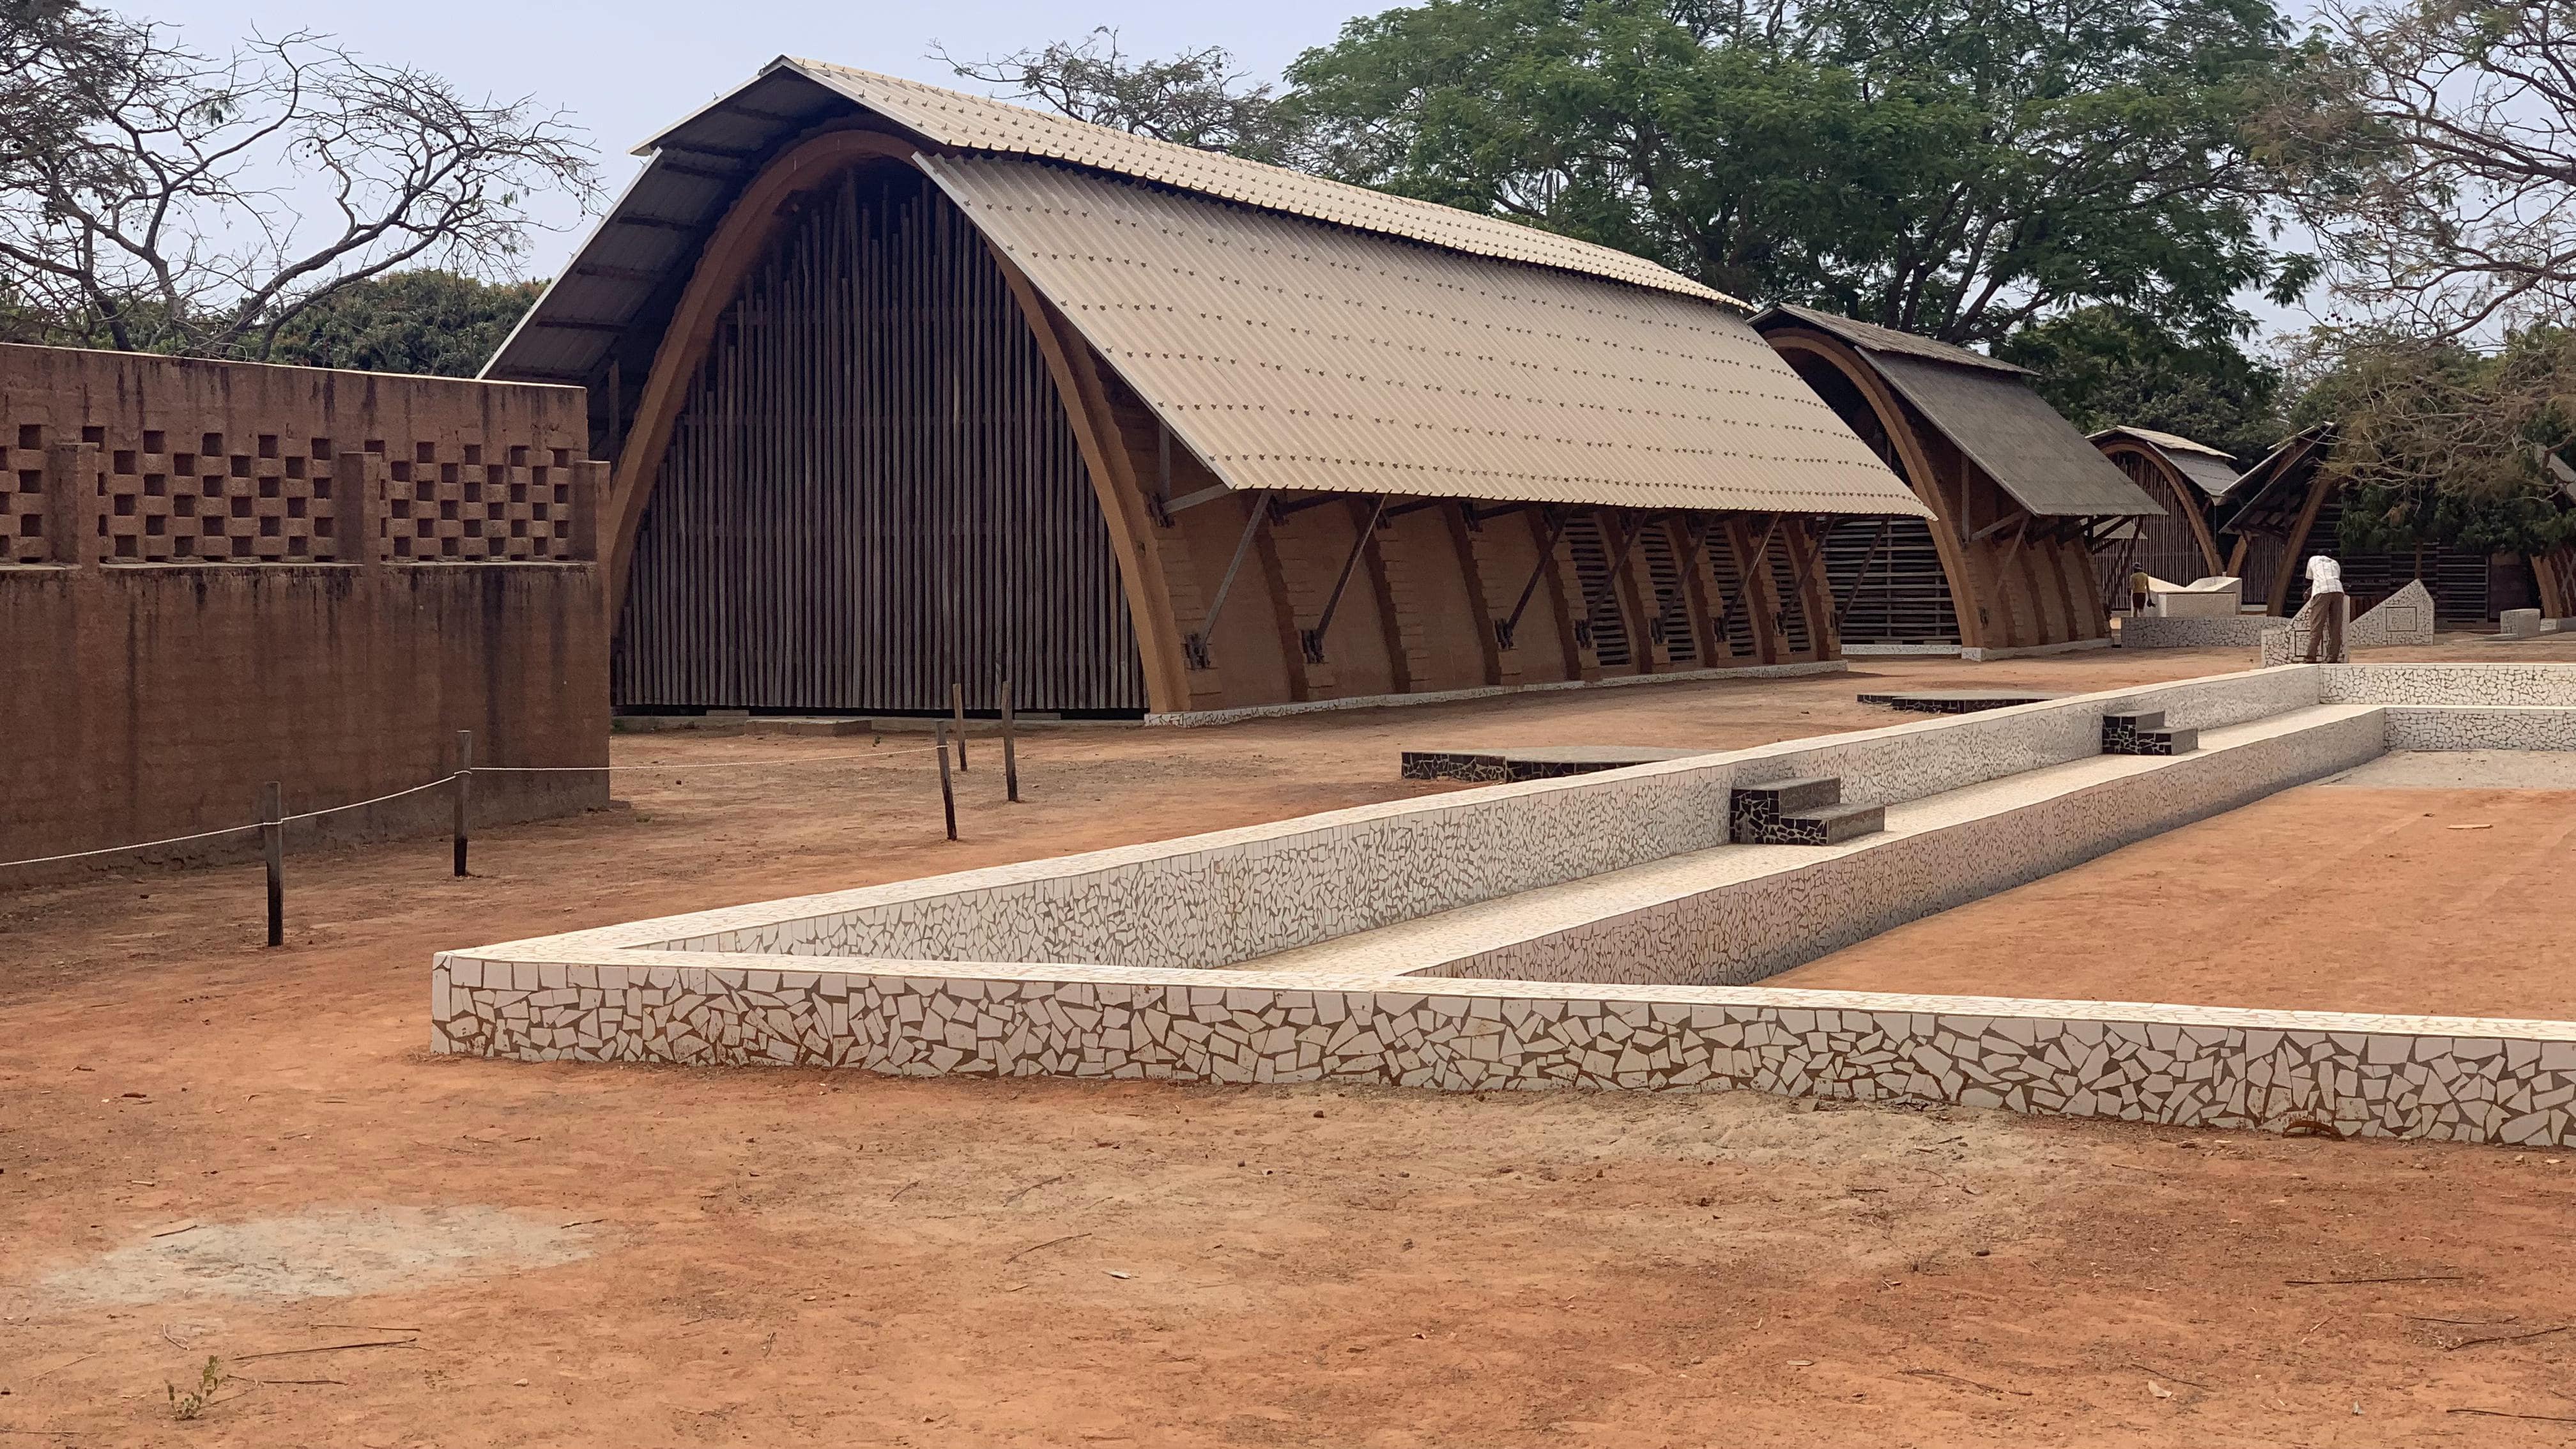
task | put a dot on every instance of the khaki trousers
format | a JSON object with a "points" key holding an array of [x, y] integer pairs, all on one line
{"points": [[2325, 642]]}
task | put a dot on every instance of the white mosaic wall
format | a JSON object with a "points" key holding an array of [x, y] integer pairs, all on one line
{"points": [[2449, 684], [1748, 930], [1213, 900], [2482, 727], [2355, 1076], [2404, 617], [2149, 631], [760, 983]]}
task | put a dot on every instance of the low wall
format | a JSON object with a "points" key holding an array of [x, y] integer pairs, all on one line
{"points": [[214, 575], [1211, 900], [2404, 617], [2149, 631], [149, 701], [1740, 933], [2319, 1073], [835, 980]]}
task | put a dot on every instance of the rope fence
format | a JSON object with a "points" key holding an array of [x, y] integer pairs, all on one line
{"points": [[273, 822]]}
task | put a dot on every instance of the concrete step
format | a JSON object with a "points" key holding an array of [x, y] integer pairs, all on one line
{"points": [[1755, 811], [2145, 733], [1831, 826]]}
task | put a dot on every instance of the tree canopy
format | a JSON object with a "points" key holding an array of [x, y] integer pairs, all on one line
{"points": [[1958, 168], [423, 321]]}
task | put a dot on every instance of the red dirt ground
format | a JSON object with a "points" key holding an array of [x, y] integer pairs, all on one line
{"points": [[791, 1257], [2323, 898]]}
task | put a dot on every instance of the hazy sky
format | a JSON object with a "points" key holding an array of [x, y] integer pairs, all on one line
{"points": [[625, 71]]}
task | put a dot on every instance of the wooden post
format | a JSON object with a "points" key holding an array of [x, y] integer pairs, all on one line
{"points": [[947, 789], [1010, 750], [464, 793], [957, 703], [272, 844]]}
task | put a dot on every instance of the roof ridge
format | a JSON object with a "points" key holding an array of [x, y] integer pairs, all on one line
{"points": [[1050, 136]]}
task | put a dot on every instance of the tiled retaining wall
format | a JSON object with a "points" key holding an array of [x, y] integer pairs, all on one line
{"points": [[1738, 934], [2150, 631], [2314, 1072], [1211, 900], [654, 991]]}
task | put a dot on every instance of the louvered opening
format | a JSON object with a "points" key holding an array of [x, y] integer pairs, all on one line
{"points": [[1672, 606], [1887, 580], [1730, 602], [1784, 584], [1586, 545]]}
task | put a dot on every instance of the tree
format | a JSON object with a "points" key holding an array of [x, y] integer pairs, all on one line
{"points": [[1196, 98], [2439, 443], [155, 199], [2432, 147], [2105, 366], [423, 321], [1960, 168]]}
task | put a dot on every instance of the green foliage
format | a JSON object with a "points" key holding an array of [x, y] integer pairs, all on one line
{"points": [[421, 321], [189, 1405], [1959, 168], [2106, 366], [2437, 443]]}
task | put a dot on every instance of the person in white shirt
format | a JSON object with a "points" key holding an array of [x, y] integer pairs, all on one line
{"points": [[2325, 586]]}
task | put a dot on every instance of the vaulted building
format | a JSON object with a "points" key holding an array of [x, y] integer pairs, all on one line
{"points": [[909, 388]]}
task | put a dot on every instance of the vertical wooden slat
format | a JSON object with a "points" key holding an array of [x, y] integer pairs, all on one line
{"points": [[873, 489]]}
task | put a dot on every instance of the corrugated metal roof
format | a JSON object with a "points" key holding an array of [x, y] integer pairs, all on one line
{"points": [[2210, 470], [645, 244], [971, 122], [1870, 337], [2023, 443], [1291, 354]]}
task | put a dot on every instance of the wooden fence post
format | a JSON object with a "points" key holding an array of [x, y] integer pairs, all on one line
{"points": [[1010, 748], [272, 841], [947, 789], [464, 793]]}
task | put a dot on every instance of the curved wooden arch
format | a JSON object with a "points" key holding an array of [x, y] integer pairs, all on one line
{"points": [[1949, 534], [2185, 493], [734, 248]]}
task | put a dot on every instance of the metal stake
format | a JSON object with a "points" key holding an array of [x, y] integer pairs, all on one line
{"points": [[957, 703], [464, 793], [272, 844]]}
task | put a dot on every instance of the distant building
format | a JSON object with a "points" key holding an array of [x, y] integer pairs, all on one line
{"points": [[2182, 477], [2018, 501], [908, 387], [2287, 507]]}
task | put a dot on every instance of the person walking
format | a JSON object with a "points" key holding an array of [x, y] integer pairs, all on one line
{"points": [[2138, 584], [2325, 589]]}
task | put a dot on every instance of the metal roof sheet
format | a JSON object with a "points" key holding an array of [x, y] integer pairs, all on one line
{"points": [[1292, 354], [972, 122], [643, 247], [1870, 337], [2210, 470], [2035, 454]]}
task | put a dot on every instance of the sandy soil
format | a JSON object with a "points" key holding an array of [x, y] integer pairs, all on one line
{"points": [[552, 1255]]}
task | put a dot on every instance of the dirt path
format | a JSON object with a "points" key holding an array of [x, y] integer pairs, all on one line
{"points": [[557, 1255]]}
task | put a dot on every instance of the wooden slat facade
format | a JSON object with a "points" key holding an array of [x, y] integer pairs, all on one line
{"points": [[873, 490]]}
